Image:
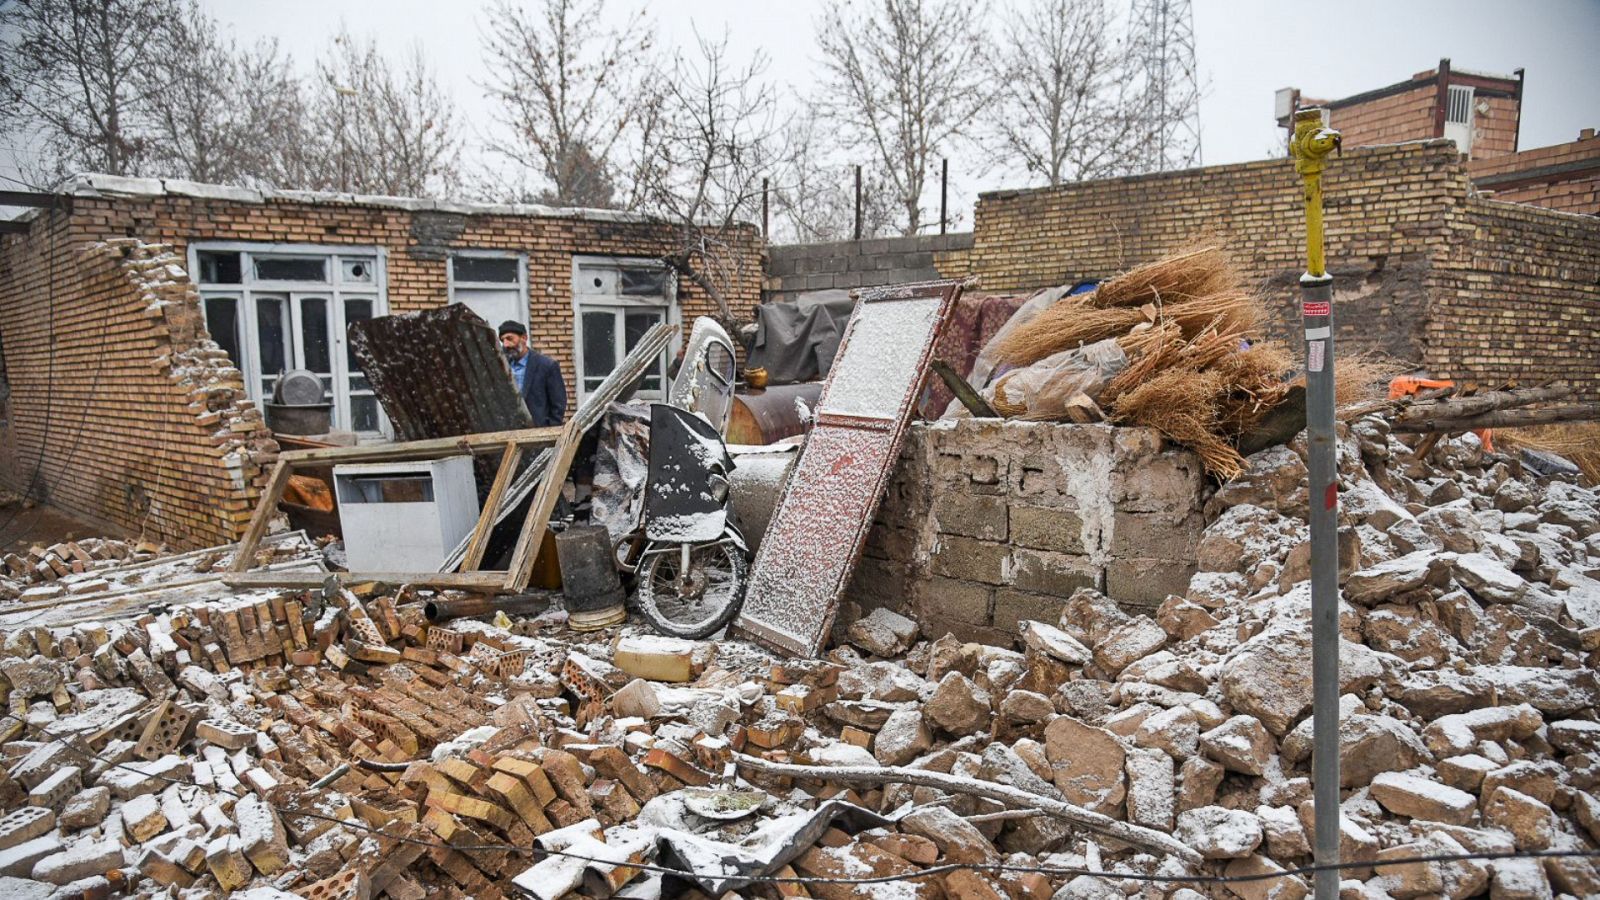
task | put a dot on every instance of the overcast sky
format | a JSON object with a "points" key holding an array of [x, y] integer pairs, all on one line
{"points": [[1246, 49]]}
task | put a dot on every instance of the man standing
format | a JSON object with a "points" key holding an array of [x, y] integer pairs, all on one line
{"points": [[538, 377]]}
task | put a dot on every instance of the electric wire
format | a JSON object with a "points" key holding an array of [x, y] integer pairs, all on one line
{"points": [[745, 880]]}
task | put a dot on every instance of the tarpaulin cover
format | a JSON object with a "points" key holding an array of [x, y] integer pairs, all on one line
{"points": [[796, 340]]}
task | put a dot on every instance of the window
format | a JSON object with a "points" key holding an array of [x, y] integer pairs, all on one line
{"points": [[615, 302], [1458, 117], [274, 309], [493, 285]]}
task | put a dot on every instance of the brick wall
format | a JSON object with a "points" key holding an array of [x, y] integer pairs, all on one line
{"points": [[1414, 254], [987, 523], [1392, 119], [1518, 296], [1383, 219], [1564, 177], [794, 268], [140, 433], [122, 411]]}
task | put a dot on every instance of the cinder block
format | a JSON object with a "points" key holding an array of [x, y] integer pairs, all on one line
{"points": [[969, 559], [22, 825]]}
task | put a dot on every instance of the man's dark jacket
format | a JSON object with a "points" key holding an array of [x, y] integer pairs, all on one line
{"points": [[543, 390]]}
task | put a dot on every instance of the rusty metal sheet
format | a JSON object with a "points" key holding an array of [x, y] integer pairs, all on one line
{"points": [[438, 373], [816, 534]]}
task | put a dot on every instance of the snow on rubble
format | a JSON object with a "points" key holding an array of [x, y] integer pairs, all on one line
{"points": [[219, 747]]}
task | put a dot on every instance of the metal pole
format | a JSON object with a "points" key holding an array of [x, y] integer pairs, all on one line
{"points": [[764, 218], [858, 203], [944, 192], [1309, 148]]}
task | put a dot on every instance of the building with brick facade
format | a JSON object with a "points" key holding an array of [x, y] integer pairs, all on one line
{"points": [[1482, 114], [1427, 270], [143, 321]]}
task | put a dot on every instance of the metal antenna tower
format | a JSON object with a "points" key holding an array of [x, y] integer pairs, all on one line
{"points": [[1162, 38]]}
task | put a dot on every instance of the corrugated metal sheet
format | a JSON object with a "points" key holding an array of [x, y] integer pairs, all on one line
{"points": [[438, 373]]}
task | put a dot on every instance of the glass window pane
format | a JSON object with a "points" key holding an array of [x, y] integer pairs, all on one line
{"points": [[314, 335], [219, 268], [355, 310], [719, 362], [363, 413], [291, 268], [636, 323], [489, 269], [599, 343], [357, 269], [644, 282], [222, 321], [272, 324]]}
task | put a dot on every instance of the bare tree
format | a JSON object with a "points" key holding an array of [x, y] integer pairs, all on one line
{"points": [[222, 114], [576, 97], [814, 193], [70, 69], [386, 131], [1068, 107], [717, 137], [904, 82]]}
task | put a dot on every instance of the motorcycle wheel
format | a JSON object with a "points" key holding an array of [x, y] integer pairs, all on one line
{"points": [[707, 602]]}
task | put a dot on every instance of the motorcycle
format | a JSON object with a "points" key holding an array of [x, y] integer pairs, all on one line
{"points": [[694, 563]]}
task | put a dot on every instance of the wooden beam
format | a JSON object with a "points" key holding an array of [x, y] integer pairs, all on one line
{"points": [[435, 447], [491, 505], [1506, 418], [488, 582], [12, 226], [245, 555]]}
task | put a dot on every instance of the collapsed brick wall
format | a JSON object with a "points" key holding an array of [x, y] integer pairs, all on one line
{"points": [[1384, 212], [795, 268], [1518, 291], [122, 411], [987, 523]]}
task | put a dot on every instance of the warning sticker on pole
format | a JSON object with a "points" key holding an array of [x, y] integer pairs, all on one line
{"points": [[1316, 308], [1316, 354]]}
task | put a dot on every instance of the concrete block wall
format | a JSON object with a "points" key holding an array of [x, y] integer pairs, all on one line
{"points": [[987, 523], [795, 268]]}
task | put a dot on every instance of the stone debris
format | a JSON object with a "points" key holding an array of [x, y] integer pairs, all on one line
{"points": [[174, 754]]}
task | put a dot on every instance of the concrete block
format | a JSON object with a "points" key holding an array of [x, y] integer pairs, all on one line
{"points": [[81, 860], [1056, 574], [22, 825], [1013, 606], [970, 559], [1140, 585], [1169, 534], [971, 515], [18, 861], [1046, 528], [953, 600]]}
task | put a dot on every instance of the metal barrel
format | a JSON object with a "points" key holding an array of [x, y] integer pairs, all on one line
{"points": [[589, 578]]}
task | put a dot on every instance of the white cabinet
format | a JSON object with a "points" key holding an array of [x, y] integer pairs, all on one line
{"points": [[405, 516]]}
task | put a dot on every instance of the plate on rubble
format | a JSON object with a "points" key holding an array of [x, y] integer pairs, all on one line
{"points": [[724, 805]]}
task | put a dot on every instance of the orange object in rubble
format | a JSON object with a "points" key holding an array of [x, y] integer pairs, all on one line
{"points": [[1409, 386], [308, 491]]}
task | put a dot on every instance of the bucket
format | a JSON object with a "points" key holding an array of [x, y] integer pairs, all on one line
{"points": [[589, 578], [316, 418]]}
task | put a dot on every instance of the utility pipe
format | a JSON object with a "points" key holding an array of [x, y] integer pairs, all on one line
{"points": [[1309, 148]]}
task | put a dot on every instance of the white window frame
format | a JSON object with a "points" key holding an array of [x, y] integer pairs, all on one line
{"points": [[337, 292], [452, 285], [583, 300]]}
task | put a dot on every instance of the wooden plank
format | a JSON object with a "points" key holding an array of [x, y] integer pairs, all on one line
{"points": [[246, 553], [520, 571], [466, 443], [36, 199], [473, 581], [491, 504]]}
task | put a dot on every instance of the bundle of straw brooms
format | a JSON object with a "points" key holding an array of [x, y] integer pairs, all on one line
{"points": [[1197, 369]]}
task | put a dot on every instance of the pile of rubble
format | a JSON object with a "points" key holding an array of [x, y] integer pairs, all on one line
{"points": [[43, 573], [334, 743]]}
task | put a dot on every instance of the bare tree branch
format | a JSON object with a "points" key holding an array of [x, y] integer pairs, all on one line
{"points": [[904, 82], [576, 97]]}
